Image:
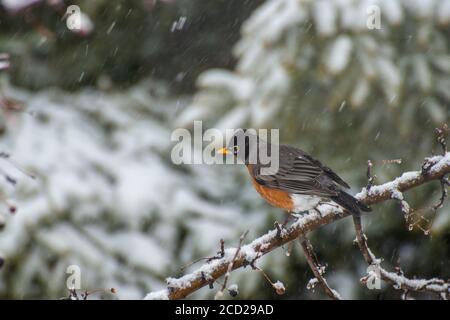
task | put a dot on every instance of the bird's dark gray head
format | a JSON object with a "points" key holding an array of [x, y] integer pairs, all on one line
{"points": [[244, 145]]}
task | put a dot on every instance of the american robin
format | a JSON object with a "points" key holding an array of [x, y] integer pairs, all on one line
{"points": [[300, 184]]}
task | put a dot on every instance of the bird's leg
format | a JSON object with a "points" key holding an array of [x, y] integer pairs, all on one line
{"points": [[279, 227], [318, 211], [282, 226], [327, 203], [289, 218], [315, 208], [334, 205]]}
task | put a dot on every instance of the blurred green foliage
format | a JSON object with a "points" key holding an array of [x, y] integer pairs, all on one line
{"points": [[131, 40], [381, 100]]}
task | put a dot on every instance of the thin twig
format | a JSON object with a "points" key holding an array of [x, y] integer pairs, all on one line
{"points": [[220, 254], [313, 263], [441, 137], [370, 177], [231, 264], [444, 194]]}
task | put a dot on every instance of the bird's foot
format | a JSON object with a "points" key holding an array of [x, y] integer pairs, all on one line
{"points": [[318, 212], [279, 228], [290, 218]]}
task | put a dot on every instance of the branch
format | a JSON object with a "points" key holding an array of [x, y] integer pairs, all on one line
{"points": [[434, 168], [231, 264], [398, 280], [316, 268]]}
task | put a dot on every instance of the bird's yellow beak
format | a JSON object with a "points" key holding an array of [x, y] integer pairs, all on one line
{"points": [[223, 151]]}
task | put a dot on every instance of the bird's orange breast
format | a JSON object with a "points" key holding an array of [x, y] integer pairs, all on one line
{"points": [[277, 198]]}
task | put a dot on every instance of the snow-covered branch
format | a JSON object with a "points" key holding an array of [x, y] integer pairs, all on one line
{"points": [[434, 168], [397, 279]]}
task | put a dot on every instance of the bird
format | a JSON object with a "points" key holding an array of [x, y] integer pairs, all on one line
{"points": [[299, 184]]}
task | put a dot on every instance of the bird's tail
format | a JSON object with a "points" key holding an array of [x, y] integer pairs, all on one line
{"points": [[350, 203]]}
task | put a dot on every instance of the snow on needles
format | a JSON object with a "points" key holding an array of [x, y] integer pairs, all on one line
{"points": [[105, 198], [286, 42]]}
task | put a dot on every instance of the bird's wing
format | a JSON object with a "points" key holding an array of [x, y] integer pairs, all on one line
{"points": [[300, 173], [327, 171]]}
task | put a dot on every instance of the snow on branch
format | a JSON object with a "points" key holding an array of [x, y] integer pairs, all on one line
{"points": [[227, 260], [397, 279]]}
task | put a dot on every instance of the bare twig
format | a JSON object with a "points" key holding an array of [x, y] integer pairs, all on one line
{"points": [[423, 223], [370, 177], [231, 264], [277, 286], [73, 294], [441, 136], [316, 268], [444, 182]]}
